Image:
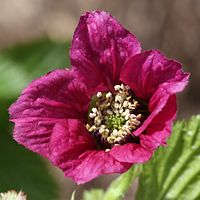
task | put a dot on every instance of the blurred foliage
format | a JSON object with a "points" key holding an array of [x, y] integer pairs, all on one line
{"points": [[21, 64], [117, 189], [174, 171], [92, 194], [21, 169]]}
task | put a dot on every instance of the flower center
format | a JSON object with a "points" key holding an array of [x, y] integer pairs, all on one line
{"points": [[115, 121], [113, 117]]}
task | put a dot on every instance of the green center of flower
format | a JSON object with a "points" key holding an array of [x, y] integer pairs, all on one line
{"points": [[115, 122], [114, 116]]}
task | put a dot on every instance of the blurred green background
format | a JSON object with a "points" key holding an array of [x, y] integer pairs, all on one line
{"points": [[35, 38]]}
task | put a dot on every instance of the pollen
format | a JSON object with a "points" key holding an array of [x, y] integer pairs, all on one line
{"points": [[114, 116]]}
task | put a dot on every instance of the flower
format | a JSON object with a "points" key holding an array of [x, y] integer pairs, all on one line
{"points": [[12, 195], [110, 110]]}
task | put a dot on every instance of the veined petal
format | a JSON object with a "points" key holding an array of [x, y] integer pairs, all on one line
{"points": [[95, 163], [68, 141], [72, 149], [101, 46], [146, 72], [160, 128], [46, 101], [153, 78], [131, 153]]}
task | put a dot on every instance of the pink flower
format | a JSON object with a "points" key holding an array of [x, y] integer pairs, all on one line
{"points": [[110, 110]]}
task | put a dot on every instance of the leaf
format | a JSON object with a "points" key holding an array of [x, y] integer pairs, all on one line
{"points": [[23, 63], [21, 169], [174, 171], [94, 194], [120, 186]]}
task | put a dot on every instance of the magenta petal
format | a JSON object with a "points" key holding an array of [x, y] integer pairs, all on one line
{"points": [[156, 105], [131, 153], [68, 141], [73, 150], [44, 103], [52, 96], [95, 163], [101, 46], [160, 127], [149, 71], [153, 78]]}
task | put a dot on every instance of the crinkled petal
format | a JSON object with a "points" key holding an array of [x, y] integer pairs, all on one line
{"points": [[68, 141], [95, 163], [101, 46], [146, 72], [73, 150], [131, 153], [56, 96], [160, 128], [153, 78]]}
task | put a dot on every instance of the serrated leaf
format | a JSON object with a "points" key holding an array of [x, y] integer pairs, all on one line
{"points": [[121, 185], [174, 171], [96, 194]]}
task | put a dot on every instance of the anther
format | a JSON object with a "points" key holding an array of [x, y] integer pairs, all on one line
{"points": [[97, 121], [94, 110], [92, 115], [122, 86], [139, 116], [93, 128], [109, 112], [108, 95], [87, 126], [117, 87], [125, 104], [99, 94], [115, 132]]}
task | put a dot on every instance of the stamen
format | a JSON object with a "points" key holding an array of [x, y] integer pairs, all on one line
{"points": [[92, 115], [94, 110], [99, 94], [115, 116], [117, 87]]}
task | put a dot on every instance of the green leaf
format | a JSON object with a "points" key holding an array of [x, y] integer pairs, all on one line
{"points": [[94, 194], [174, 171], [23, 63], [120, 186], [21, 169]]}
